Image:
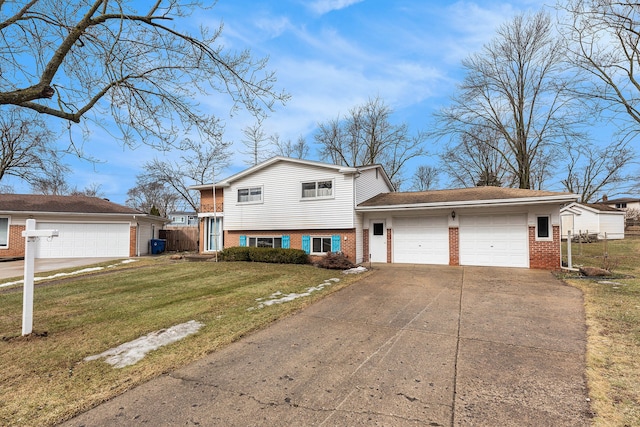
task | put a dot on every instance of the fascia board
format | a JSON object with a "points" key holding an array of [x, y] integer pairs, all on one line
{"points": [[472, 203]]}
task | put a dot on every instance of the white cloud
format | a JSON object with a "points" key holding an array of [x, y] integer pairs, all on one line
{"points": [[325, 6]]}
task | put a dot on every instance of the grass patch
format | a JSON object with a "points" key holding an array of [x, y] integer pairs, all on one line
{"points": [[613, 320], [44, 379]]}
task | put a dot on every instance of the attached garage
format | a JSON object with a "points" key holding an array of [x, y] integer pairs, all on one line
{"points": [[494, 240], [84, 240], [421, 240]]}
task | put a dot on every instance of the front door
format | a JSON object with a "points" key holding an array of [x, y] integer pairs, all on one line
{"points": [[377, 241], [214, 238]]}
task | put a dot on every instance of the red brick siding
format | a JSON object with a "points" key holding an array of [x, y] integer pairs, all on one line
{"points": [[454, 246], [389, 246], [348, 247], [132, 242], [206, 201], [16, 242], [544, 254], [365, 245]]}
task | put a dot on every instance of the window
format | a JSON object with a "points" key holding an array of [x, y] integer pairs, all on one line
{"points": [[621, 205], [542, 228], [317, 189], [320, 245], [250, 195], [265, 242], [378, 229], [4, 233]]}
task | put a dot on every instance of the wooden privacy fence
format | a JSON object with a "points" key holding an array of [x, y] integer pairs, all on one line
{"points": [[181, 239]]}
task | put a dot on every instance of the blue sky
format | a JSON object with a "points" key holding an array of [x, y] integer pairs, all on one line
{"points": [[329, 55]]}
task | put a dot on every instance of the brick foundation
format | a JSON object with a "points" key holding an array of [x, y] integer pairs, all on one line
{"points": [[133, 243], [347, 247], [544, 254], [389, 246], [16, 242], [365, 245]]}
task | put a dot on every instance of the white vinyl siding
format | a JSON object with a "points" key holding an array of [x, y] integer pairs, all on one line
{"points": [[370, 183], [613, 225], [282, 207]]}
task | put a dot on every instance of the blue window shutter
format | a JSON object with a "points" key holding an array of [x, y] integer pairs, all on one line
{"points": [[286, 241], [306, 244], [243, 240], [335, 243]]}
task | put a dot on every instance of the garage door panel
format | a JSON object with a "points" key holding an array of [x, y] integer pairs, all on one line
{"points": [[78, 240], [421, 240], [494, 240]]}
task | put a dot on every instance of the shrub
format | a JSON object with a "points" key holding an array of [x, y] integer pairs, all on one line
{"points": [[270, 255], [335, 261]]}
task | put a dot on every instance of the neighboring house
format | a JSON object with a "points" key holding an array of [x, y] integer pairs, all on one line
{"points": [[183, 219], [593, 218], [622, 203], [88, 226], [290, 203], [322, 208]]}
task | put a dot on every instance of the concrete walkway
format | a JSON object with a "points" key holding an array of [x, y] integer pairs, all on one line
{"points": [[409, 345]]}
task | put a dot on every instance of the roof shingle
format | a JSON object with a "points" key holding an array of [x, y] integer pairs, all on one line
{"points": [[61, 204]]}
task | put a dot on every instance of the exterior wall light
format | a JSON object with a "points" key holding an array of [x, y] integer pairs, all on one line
{"points": [[453, 214]]}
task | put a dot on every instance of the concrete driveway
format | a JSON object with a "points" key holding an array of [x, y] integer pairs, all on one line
{"points": [[9, 269], [409, 345]]}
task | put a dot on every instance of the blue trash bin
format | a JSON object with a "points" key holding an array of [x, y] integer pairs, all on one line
{"points": [[158, 246]]}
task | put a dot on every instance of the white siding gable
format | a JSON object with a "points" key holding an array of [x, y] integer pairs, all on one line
{"points": [[282, 206], [370, 183]]}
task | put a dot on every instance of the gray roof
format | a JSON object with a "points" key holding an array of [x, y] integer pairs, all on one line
{"points": [[61, 204], [458, 195], [621, 200], [601, 207]]}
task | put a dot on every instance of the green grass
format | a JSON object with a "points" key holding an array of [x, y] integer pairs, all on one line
{"points": [[44, 379], [613, 320]]}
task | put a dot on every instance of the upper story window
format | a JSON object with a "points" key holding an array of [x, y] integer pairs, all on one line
{"points": [[250, 195], [317, 189], [621, 205], [4, 232]]}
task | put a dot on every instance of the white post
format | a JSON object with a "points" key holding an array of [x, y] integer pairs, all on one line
{"points": [[30, 235], [569, 262], [215, 214]]}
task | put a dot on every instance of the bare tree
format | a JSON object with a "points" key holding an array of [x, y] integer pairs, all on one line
{"points": [[255, 140], [53, 183], [126, 60], [91, 190], [517, 87], [196, 166], [472, 161], [147, 195], [424, 178], [367, 136], [26, 146], [605, 44], [593, 171], [296, 150]]}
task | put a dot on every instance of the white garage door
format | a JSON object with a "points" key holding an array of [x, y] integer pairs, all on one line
{"points": [[421, 240], [79, 240], [494, 240]]}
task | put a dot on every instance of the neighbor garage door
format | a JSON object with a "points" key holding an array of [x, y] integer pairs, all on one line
{"points": [[494, 240], [421, 240], [78, 240]]}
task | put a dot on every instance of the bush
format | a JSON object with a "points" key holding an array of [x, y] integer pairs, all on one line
{"points": [[271, 255], [335, 261]]}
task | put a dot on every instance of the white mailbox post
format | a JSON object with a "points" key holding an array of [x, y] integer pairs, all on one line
{"points": [[31, 238]]}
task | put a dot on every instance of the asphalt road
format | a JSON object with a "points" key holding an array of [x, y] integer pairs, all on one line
{"points": [[409, 345]]}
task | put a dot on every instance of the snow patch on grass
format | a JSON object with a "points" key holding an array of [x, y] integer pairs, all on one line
{"points": [[280, 298], [132, 352]]}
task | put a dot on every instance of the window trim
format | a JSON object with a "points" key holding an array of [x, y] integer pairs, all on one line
{"points": [[549, 236], [250, 202], [255, 238], [312, 252], [316, 182], [8, 218]]}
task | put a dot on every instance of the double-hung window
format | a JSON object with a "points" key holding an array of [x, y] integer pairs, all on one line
{"points": [[320, 245], [317, 189], [250, 195], [265, 242]]}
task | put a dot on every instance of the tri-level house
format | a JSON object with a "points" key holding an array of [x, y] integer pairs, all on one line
{"points": [[320, 208], [290, 203]]}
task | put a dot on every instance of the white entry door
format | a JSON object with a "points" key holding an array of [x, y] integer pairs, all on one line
{"points": [[378, 241]]}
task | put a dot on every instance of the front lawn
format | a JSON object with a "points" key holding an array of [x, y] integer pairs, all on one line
{"points": [[44, 379], [613, 319]]}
